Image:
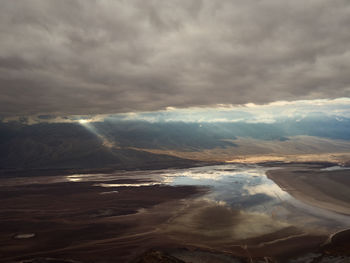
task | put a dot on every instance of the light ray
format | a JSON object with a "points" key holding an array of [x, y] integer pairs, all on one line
{"points": [[88, 124]]}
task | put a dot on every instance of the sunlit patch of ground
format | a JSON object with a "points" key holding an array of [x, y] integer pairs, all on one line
{"points": [[248, 150]]}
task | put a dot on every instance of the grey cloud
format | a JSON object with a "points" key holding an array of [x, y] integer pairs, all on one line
{"points": [[95, 57]]}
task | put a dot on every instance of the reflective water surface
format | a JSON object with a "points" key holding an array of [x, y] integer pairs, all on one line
{"points": [[233, 208], [246, 188], [239, 187]]}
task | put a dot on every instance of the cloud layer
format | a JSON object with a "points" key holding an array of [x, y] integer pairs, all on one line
{"points": [[337, 109], [95, 57]]}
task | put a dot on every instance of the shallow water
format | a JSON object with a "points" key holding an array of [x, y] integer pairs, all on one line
{"points": [[240, 187], [238, 210], [335, 168], [247, 188]]}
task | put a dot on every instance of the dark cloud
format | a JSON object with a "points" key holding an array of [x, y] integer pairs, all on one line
{"points": [[89, 57]]}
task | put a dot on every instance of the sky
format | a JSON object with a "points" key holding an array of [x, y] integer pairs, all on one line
{"points": [[93, 57]]}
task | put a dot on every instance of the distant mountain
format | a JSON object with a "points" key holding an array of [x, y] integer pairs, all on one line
{"points": [[208, 135], [246, 149], [69, 146], [168, 135], [138, 144]]}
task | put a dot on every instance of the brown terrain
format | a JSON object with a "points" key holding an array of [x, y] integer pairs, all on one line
{"points": [[249, 150], [321, 188], [84, 222]]}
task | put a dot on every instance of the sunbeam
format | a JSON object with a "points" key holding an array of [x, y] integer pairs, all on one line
{"points": [[88, 124]]}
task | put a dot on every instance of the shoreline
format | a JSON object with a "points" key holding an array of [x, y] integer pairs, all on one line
{"points": [[329, 190], [108, 226]]}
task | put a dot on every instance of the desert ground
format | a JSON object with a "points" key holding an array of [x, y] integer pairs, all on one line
{"points": [[130, 217]]}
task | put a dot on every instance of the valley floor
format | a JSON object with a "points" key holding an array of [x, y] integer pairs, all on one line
{"points": [[131, 217]]}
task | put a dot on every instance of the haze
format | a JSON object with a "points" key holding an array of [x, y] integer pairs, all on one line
{"points": [[174, 131]]}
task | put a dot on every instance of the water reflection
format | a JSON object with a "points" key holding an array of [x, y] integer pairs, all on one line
{"points": [[335, 168], [246, 188], [241, 187], [126, 185]]}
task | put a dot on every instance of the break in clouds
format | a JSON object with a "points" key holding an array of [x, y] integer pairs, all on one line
{"points": [[99, 57]]}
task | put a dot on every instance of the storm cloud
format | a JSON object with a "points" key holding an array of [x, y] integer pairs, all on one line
{"points": [[97, 57]]}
